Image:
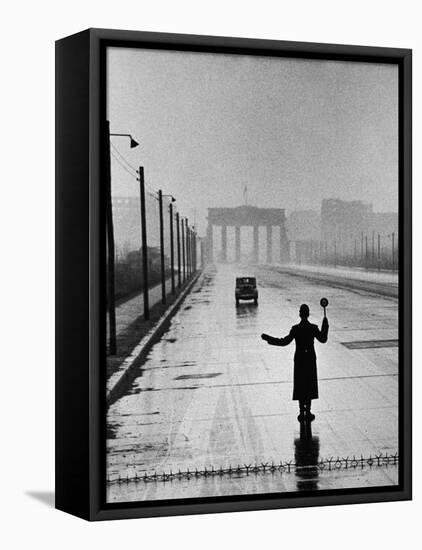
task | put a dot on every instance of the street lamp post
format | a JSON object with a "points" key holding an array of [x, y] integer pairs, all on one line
{"points": [[173, 287], [162, 255], [110, 236], [145, 283], [111, 306], [133, 142], [163, 267]]}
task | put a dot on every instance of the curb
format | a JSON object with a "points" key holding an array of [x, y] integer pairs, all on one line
{"points": [[141, 350]]}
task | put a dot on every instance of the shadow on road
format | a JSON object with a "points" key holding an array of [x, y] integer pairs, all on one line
{"points": [[306, 457]]}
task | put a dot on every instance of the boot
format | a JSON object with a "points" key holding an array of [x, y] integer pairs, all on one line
{"points": [[310, 416]]}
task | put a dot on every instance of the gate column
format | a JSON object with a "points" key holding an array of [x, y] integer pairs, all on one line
{"points": [[237, 242], [210, 244], [269, 244], [284, 245], [224, 243], [255, 243]]}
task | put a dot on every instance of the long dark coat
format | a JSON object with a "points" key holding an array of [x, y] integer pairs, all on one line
{"points": [[305, 379]]}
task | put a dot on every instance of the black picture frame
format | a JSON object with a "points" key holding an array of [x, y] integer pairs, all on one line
{"points": [[80, 260]]}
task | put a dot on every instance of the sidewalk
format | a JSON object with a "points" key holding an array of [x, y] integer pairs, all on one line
{"points": [[357, 273], [382, 283], [136, 338], [130, 310]]}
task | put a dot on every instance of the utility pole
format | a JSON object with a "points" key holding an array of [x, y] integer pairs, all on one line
{"points": [[379, 251], [179, 264], [193, 251], [162, 262], [144, 244], [195, 247], [187, 248], [189, 255], [173, 287], [183, 251], [110, 242], [111, 299]]}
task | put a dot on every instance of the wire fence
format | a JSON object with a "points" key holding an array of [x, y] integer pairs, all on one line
{"points": [[281, 467], [374, 251]]}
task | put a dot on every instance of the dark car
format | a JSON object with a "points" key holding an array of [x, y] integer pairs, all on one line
{"points": [[246, 289]]}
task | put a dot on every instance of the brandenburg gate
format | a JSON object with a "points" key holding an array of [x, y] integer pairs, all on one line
{"points": [[251, 216]]}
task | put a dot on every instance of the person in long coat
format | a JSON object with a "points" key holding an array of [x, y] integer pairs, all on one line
{"points": [[305, 378]]}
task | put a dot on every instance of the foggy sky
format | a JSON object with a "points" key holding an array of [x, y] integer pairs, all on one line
{"points": [[294, 131]]}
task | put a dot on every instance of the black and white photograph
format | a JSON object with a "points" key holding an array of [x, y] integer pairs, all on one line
{"points": [[253, 264], [210, 237]]}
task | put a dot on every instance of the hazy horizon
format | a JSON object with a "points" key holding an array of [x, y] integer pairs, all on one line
{"points": [[292, 131]]}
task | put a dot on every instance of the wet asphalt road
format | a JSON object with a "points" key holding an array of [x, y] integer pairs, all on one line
{"points": [[213, 393]]}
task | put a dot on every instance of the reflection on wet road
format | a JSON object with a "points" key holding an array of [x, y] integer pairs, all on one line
{"points": [[307, 458], [211, 393]]}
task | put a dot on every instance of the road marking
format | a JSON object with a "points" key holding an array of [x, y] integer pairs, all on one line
{"points": [[368, 344]]}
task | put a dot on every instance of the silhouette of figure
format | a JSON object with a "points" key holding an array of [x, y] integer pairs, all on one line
{"points": [[305, 380]]}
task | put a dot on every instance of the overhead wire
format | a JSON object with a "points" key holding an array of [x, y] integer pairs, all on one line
{"points": [[122, 165], [149, 189], [124, 159]]}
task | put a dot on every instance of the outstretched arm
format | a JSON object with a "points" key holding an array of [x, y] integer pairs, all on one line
{"points": [[322, 335], [278, 341]]}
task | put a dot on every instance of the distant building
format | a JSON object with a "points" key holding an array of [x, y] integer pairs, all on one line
{"points": [[343, 220], [127, 223]]}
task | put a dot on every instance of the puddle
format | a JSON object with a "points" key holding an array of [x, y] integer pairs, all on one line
{"points": [[197, 376], [137, 391], [112, 430]]}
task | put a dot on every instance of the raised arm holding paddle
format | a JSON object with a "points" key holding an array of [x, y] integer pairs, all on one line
{"points": [[305, 378]]}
